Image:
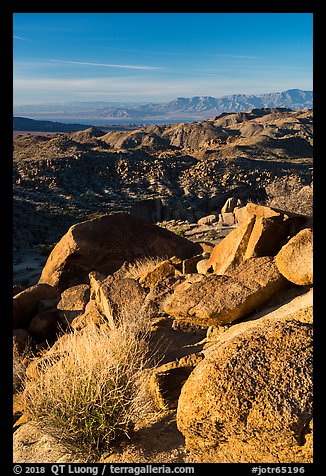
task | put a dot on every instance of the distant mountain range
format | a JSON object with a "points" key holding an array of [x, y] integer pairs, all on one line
{"points": [[197, 107]]}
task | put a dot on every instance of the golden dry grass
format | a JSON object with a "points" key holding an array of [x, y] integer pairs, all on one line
{"points": [[142, 266], [96, 392], [20, 362]]}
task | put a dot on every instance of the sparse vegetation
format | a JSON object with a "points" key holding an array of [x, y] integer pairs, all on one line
{"points": [[20, 361], [141, 266], [96, 392]]}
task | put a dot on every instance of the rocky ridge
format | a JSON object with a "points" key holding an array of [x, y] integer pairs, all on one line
{"points": [[179, 171]]}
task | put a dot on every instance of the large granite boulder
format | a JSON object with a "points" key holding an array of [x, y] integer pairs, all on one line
{"points": [[295, 259], [250, 398], [105, 243]]}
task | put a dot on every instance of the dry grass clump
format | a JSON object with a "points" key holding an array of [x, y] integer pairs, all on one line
{"points": [[20, 361], [142, 266], [290, 194], [97, 391]]}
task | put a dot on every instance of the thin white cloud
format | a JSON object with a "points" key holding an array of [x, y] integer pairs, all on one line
{"points": [[16, 37], [107, 65], [231, 56]]}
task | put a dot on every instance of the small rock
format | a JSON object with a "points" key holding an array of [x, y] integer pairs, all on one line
{"points": [[160, 272], [207, 220], [25, 303], [46, 325], [202, 266], [168, 379], [229, 205]]}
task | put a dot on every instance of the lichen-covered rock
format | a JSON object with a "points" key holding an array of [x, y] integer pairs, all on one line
{"points": [[250, 399], [75, 298]]}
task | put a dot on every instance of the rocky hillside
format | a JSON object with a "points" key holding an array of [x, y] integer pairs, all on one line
{"points": [[228, 328], [180, 171]]}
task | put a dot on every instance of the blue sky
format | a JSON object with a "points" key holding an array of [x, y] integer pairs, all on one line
{"points": [[156, 57]]}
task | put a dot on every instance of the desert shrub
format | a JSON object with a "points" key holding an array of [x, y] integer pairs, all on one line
{"points": [[97, 391], [142, 266], [290, 194]]}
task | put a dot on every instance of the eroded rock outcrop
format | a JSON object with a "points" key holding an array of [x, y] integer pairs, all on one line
{"points": [[261, 232]]}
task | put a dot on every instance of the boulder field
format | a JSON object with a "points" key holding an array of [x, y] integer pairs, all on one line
{"points": [[234, 322]]}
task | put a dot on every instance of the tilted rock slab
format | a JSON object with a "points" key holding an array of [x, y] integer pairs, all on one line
{"points": [[156, 275], [104, 244], [116, 295], [230, 251], [207, 300], [295, 259], [261, 232], [250, 399]]}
